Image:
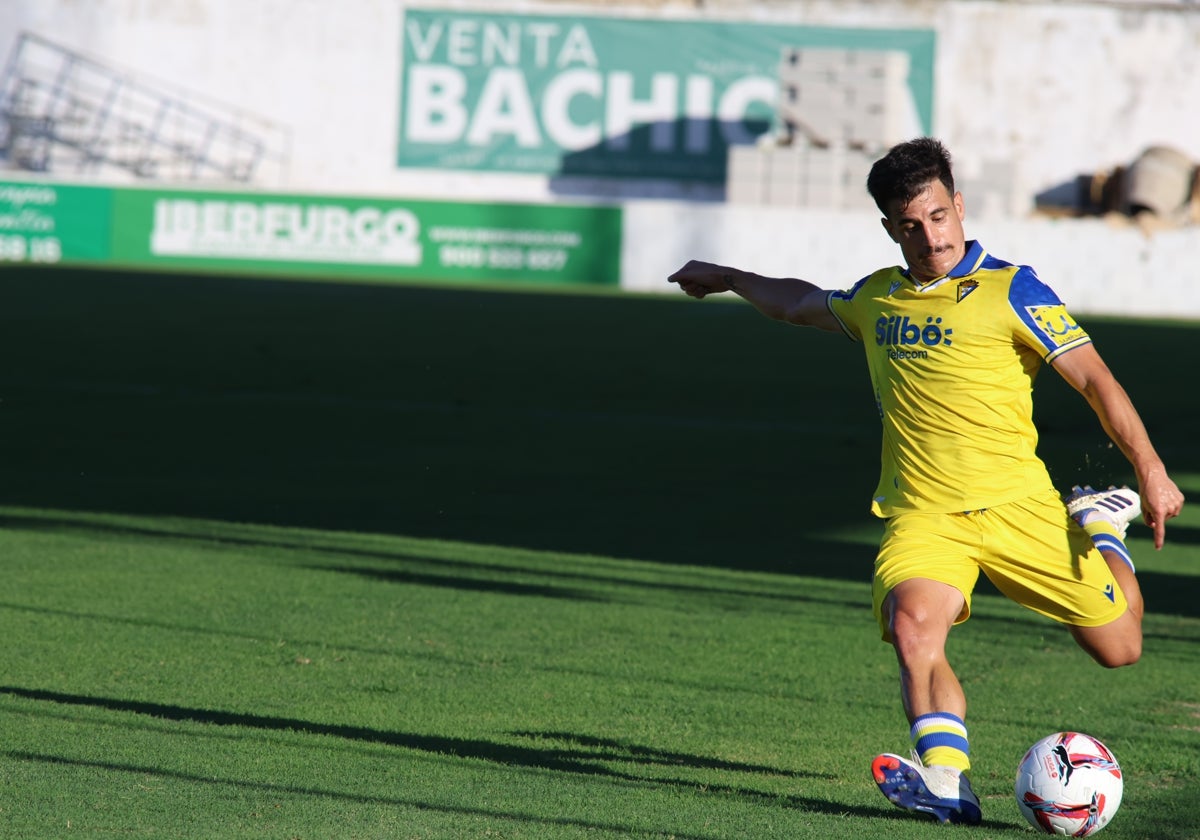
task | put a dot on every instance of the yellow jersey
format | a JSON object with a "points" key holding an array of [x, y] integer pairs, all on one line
{"points": [[952, 362]]}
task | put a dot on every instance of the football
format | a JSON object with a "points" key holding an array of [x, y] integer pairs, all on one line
{"points": [[1069, 784]]}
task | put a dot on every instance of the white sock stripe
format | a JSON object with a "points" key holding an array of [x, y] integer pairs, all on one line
{"points": [[1107, 543], [941, 721], [1110, 543]]}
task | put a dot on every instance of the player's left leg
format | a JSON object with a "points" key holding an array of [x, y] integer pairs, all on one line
{"points": [[1128, 582], [1115, 644], [1105, 516]]}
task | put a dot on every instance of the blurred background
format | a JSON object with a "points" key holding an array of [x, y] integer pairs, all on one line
{"points": [[390, 140]]}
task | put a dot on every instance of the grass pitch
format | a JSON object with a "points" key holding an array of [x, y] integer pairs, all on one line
{"points": [[339, 561]]}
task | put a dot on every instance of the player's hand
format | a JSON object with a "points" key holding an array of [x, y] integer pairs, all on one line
{"points": [[1161, 500], [699, 279]]}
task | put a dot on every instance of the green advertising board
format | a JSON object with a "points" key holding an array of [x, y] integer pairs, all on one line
{"points": [[608, 96], [43, 222], [367, 237], [309, 235]]}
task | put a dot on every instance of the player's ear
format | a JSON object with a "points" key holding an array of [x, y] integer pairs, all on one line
{"points": [[887, 225], [959, 206]]}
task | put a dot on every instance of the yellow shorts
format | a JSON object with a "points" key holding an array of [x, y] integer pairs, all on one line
{"points": [[1030, 549]]}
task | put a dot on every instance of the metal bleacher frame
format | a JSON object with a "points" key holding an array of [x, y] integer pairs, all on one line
{"points": [[64, 113]]}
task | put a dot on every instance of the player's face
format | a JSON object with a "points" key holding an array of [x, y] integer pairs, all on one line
{"points": [[929, 231]]}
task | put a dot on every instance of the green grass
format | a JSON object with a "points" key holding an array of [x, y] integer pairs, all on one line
{"points": [[306, 560]]}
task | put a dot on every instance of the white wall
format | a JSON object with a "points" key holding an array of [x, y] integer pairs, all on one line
{"points": [[1095, 266]]}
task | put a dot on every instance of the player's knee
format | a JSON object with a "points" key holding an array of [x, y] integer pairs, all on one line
{"points": [[1119, 657], [915, 637], [1112, 645]]}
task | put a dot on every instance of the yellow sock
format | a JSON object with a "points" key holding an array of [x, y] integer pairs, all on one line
{"points": [[941, 738], [1106, 537]]}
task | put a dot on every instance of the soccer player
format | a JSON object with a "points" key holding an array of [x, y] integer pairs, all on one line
{"points": [[953, 341]]}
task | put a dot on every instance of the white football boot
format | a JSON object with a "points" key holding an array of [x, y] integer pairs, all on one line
{"points": [[941, 792], [1119, 505]]}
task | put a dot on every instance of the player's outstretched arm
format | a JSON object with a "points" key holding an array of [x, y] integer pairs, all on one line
{"points": [[1087, 373], [782, 298]]}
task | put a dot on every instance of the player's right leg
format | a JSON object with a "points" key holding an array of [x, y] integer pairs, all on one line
{"points": [[918, 614], [923, 578]]}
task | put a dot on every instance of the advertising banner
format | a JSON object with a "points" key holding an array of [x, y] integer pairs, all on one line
{"points": [[51, 223], [367, 237], [608, 96]]}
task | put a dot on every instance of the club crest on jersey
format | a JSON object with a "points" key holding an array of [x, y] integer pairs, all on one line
{"points": [[966, 287], [1054, 323]]}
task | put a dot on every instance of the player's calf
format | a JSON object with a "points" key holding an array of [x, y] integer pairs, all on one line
{"points": [[1113, 645]]}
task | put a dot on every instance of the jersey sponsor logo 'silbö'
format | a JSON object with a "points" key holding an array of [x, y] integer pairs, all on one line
{"points": [[1054, 323], [906, 339]]}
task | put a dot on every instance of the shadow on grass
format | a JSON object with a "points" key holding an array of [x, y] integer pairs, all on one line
{"points": [[565, 753], [668, 430], [612, 588], [556, 422], [732, 687], [276, 790], [570, 760], [815, 806], [840, 561], [573, 582], [844, 561]]}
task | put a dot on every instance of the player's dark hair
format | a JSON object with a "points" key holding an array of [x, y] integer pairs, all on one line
{"points": [[903, 172]]}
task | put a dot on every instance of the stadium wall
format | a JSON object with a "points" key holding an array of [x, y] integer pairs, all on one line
{"points": [[1097, 266], [1030, 96]]}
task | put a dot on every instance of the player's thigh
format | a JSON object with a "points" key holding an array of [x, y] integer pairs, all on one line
{"points": [[1042, 560], [920, 549]]}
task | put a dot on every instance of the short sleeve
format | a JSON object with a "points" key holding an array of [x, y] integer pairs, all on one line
{"points": [[841, 305], [1044, 323]]}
